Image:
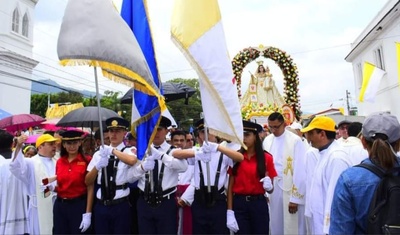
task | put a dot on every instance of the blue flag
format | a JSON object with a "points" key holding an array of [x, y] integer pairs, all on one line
{"points": [[134, 12]]}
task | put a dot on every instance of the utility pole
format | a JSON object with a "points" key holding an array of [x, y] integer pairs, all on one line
{"points": [[348, 102]]}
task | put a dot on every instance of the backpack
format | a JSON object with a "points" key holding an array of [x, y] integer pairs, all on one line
{"points": [[384, 209]]}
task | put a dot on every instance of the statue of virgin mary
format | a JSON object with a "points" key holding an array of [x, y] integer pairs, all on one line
{"points": [[262, 89]]}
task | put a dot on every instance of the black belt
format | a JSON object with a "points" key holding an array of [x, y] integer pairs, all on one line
{"points": [[123, 186], [220, 191], [113, 202], [164, 193], [248, 198], [70, 200]]}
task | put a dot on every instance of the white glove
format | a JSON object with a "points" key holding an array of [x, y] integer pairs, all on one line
{"points": [[267, 183], [86, 221], [106, 150], [148, 164], [209, 147], [201, 156], [103, 162], [155, 153], [231, 221], [43, 187]]}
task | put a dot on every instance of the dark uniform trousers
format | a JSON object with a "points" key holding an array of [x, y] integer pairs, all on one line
{"points": [[157, 220], [252, 214], [67, 215], [113, 219], [210, 220]]}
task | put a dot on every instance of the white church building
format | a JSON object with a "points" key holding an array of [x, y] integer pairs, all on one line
{"points": [[377, 45], [16, 63]]}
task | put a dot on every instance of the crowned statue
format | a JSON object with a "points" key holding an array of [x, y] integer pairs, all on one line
{"points": [[262, 90]]}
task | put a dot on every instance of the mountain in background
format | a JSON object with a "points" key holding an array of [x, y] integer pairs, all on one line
{"points": [[50, 86]]}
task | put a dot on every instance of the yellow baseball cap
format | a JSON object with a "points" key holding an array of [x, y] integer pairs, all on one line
{"points": [[45, 138], [322, 123]]}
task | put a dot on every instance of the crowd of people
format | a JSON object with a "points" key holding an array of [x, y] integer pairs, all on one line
{"points": [[296, 179]]}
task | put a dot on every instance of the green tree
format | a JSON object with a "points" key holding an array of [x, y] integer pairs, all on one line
{"points": [[39, 104], [111, 101], [67, 97], [182, 113]]}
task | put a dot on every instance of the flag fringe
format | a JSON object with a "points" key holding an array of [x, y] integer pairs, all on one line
{"points": [[214, 93], [147, 116], [116, 73], [153, 134]]}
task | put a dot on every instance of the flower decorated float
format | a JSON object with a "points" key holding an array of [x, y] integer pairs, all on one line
{"points": [[261, 97]]}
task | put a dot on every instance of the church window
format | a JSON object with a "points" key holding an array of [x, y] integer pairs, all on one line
{"points": [[25, 25], [15, 21], [379, 62]]}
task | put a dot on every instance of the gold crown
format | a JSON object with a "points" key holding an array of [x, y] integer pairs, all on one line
{"points": [[260, 62]]}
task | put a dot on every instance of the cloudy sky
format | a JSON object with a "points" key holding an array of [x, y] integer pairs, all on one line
{"points": [[316, 33]]}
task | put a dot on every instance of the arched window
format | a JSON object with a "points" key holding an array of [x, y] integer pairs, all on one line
{"points": [[15, 21], [25, 25]]}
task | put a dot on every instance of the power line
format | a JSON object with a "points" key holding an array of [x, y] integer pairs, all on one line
{"points": [[29, 79], [58, 69]]}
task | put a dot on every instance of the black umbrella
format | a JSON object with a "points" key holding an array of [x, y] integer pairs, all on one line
{"points": [[171, 91], [86, 117]]}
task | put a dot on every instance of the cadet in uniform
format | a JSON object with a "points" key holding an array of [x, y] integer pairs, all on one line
{"points": [[74, 199], [112, 210], [248, 182], [156, 206], [208, 208]]}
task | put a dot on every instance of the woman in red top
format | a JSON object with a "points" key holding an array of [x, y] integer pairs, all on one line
{"points": [[249, 180], [73, 206]]}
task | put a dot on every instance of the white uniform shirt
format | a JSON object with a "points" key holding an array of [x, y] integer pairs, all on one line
{"points": [[122, 172], [188, 196], [226, 162], [185, 177], [172, 168]]}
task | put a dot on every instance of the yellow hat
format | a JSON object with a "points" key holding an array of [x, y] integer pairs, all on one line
{"points": [[45, 138], [322, 123]]}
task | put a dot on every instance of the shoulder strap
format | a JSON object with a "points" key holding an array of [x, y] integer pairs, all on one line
{"points": [[374, 169], [218, 171], [161, 173]]}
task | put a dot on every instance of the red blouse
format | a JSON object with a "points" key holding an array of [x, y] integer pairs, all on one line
{"points": [[71, 177], [247, 181]]}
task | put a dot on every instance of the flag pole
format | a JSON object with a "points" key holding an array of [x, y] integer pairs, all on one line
{"points": [[104, 170], [207, 163]]}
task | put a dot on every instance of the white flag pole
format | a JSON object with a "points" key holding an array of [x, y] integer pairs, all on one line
{"points": [[104, 170]]}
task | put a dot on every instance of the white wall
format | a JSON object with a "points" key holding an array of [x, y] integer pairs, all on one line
{"points": [[16, 72], [388, 95]]}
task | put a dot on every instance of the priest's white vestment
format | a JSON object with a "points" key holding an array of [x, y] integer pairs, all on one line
{"points": [[288, 152], [31, 171]]}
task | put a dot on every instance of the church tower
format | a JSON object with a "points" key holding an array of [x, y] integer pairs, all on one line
{"points": [[16, 61]]}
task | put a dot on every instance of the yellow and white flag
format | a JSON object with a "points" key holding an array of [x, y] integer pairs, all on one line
{"points": [[372, 76], [197, 30]]}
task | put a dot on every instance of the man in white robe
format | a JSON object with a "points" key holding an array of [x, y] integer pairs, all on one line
{"points": [[288, 151], [333, 160], [13, 199], [353, 146], [31, 171]]}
